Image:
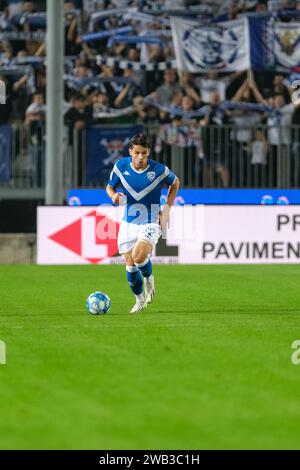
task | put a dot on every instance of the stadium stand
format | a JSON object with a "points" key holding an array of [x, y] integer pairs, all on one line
{"points": [[220, 129]]}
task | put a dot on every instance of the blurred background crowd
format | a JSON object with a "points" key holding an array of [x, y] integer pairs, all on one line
{"points": [[119, 79]]}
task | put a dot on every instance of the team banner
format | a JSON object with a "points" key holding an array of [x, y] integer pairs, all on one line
{"points": [[221, 46], [274, 45], [5, 153], [287, 44], [197, 235], [104, 146]]}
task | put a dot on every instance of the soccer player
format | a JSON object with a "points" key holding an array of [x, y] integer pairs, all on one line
{"points": [[141, 180]]}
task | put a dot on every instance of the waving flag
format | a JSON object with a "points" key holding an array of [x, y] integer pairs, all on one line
{"points": [[287, 44], [221, 46], [275, 45]]}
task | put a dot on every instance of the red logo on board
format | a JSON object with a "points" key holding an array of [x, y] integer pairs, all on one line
{"points": [[93, 237]]}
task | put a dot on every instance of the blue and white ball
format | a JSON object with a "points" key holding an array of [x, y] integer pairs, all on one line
{"points": [[98, 303]]}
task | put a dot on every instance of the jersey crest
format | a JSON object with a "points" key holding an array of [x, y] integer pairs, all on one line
{"points": [[151, 175]]}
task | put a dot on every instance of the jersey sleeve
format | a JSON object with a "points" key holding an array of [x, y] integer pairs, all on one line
{"points": [[114, 179], [170, 178]]}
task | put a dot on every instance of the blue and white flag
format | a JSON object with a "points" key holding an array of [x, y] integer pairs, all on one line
{"points": [[222, 46], [287, 44], [274, 45], [261, 47]]}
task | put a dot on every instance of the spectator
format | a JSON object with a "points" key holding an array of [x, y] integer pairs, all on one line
{"points": [[187, 104], [3, 15], [170, 85], [215, 143], [100, 104], [231, 12], [36, 112], [280, 88], [28, 7], [110, 87], [175, 103], [77, 118], [258, 151], [279, 135], [35, 121], [211, 82], [129, 91], [279, 121], [261, 7], [21, 98], [187, 82], [259, 148], [82, 71], [14, 7], [72, 40], [244, 122], [79, 115], [139, 76], [5, 108], [295, 138]]}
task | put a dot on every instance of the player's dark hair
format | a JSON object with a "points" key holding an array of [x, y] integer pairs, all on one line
{"points": [[140, 139]]}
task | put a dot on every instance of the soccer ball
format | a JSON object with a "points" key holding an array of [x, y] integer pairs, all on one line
{"points": [[98, 303]]}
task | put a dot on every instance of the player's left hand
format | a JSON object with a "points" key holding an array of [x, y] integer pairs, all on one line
{"points": [[165, 218]]}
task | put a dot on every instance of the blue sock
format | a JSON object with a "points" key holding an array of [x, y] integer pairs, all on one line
{"points": [[134, 279], [145, 267]]}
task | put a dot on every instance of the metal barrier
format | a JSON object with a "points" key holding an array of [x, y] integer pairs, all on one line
{"points": [[210, 157], [221, 156], [28, 159], [235, 157]]}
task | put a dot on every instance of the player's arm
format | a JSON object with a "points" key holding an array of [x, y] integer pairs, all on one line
{"points": [[172, 193], [165, 214], [113, 183], [112, 193]]}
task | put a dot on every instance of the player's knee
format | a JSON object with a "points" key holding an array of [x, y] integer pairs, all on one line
{"points": [[128, 259], [139, 257]]}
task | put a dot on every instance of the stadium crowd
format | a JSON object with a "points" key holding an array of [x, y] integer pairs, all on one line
{"points": [[109, 80]]}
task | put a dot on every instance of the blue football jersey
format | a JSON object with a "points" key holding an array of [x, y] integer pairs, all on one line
{"points": [[141, 188]]}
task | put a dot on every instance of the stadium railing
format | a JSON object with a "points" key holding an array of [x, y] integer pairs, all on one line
{"points": [[25, 161], [218, 156]]}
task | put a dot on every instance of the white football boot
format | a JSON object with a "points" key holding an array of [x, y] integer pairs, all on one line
{"points": [[140, 304], [149, 289]]}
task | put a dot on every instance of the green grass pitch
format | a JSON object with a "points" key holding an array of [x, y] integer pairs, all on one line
{"points": [[207, 366]]}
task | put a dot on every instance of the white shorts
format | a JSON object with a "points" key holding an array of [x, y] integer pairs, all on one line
{"points": [[129, 234]]}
